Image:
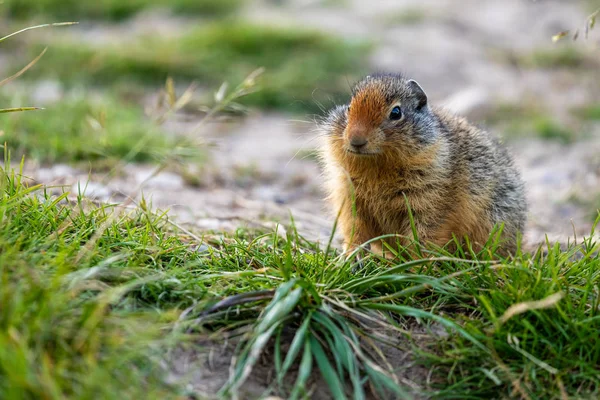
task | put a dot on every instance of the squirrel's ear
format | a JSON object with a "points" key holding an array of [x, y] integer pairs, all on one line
{"points": [[419, 93]]}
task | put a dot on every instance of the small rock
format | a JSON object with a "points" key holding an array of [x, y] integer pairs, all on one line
{"points": [[185, 215], [92, 190], [54, 173], [163, 181], [47, 92], [279, 199], [265, 193], [201, 249], [209, 224]]}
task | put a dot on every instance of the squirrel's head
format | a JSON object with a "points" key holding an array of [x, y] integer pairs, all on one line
{"points": [[386, 112]]}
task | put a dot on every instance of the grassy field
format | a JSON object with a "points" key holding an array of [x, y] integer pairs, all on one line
{"points": [[93, 299], [110, 124], [106, 130], [112, 9], [296, 61]]}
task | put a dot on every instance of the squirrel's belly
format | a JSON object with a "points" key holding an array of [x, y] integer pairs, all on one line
{"points": [[392, 211], [465, 219], [438, 217]]}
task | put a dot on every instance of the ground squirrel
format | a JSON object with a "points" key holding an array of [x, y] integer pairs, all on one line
{"points": [[389, 146]]}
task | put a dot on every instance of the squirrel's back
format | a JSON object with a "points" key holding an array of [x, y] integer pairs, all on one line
{"points": [[488, 178]]}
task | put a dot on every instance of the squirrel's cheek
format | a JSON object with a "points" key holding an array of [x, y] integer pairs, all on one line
{"points": [[388, 133]]}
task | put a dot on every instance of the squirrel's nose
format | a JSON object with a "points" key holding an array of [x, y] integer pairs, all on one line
{"points": [[358, 141]]}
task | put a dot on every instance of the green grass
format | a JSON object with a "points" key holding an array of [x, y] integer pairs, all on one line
{"points": [[568, 56], [92, 304], [563, 55], [70, 329], [587, 201], [503, 112], [547, 128], [589, 112], [111, 9], [78, 128], [409, 16], [526, 119], [301, 66], [93, 301]]}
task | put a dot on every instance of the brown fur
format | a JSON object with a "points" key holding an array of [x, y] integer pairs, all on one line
{"points": [[443, 173]]}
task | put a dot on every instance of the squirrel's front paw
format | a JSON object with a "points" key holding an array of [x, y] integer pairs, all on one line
{"points": [[358, 264], [355, 257]]}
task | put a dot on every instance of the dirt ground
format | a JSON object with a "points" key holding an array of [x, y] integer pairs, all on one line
{"points": [[263, 167]]}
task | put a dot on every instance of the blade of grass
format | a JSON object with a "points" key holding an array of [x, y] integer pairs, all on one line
{"points": [[18, 109], [24, 69], [415, 312], [299, 340], [37, 27], [343, 353], [327, 371], [303, 372]]}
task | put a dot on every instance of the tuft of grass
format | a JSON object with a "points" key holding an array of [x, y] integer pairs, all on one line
{"points": [[408, 16], [559, 57], [589, 202], [84, 128], [590, 112], [112, 9], [523, 326], [547, 128], [297, 62], [503, 112], [71, 329], [527, 119], [537, 328]]}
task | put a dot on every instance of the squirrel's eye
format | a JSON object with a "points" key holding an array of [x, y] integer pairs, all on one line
{"points": [[396, 113], [348, 109]]}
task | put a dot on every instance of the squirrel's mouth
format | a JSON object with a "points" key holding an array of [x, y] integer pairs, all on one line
{"points": [[362, 153]]}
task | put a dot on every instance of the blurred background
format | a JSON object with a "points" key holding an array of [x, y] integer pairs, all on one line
{"points": [[127, 88]]}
